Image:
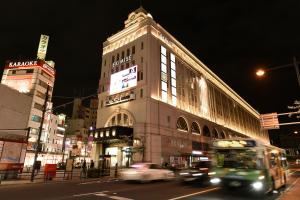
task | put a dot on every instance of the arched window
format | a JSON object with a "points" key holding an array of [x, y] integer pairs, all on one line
{"points": [[214, 134], [120, 119], [195, 128], [182, 124], [222, 135], [206, 131]]}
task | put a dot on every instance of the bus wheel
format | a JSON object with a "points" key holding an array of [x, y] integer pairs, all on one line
{"points": [[272, 187]]}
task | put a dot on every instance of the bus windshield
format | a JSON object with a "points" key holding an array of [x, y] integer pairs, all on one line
{"points": [[238, 158]]}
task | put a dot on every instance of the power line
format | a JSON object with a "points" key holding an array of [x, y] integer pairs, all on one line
{"points": [[70, 102]]}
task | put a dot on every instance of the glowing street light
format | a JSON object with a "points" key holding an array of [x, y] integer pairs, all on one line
{"points": [[260, 72]]}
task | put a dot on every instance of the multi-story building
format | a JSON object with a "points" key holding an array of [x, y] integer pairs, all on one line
{"points": [[83, 119], [158, 102], [15, 108], [32, 78]]}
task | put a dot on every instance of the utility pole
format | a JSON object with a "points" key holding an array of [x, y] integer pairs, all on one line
{"points": [[40, 133], [297, 69]]}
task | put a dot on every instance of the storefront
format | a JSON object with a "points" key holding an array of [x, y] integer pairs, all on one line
{"points": [[115, 142]]}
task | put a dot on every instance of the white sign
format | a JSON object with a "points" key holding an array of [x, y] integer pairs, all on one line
{"points": [[123, 80], [122, 60], [22, 64], [42, 50]]}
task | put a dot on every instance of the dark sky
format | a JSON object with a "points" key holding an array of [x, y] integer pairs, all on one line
{"points": [[231, 37]]}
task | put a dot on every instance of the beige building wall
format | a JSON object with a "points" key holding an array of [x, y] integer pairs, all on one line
{"points": [[155, 121]]}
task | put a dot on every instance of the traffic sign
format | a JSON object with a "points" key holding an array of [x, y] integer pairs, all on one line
{"points": [[269, 121]]}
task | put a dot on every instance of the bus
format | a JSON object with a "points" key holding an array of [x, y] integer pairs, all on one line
{"points": [[248, 165]]}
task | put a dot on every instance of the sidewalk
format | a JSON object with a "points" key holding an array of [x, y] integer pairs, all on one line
{"points": [[293, 192]]}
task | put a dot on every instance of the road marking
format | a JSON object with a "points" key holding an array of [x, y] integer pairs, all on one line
{"points": [[292, 172], [118, 198], [188, 195], [85, 194]]}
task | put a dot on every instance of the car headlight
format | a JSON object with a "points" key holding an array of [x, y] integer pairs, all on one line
{"points": [[261, 177], [197, 174], [211, 173], [183, 173], [215, 180], [257, 185]]}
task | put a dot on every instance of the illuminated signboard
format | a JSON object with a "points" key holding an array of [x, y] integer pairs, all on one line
{"points": [[234, 143], [42, 50], [123, 80], [29, 64]]}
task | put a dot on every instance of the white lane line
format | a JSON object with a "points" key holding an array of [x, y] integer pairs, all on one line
{"points": [[118, 198], [188, 195], [292, 172], [85, 194]]}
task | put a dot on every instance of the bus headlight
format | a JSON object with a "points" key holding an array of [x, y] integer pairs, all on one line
{"points": [[215, 180], [257, 185]]}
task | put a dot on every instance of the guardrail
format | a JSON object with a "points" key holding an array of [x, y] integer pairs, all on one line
{"points": [[54, 175]]}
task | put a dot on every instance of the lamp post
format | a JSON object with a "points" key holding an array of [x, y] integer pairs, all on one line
{"points": [[261, 72]]}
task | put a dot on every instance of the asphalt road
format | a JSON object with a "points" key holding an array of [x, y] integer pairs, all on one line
{"points": [[120, 190]]}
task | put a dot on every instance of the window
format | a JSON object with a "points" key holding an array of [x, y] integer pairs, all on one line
{"points": [[142, 45], [141, 93], [38, 106], [206, 131], [29, 71], [133, 50], [142, 59], [36, 118], [103, 74], [123, 54], [113, 59], [164, 77], [142, 76], [40, 94], [118, 56], [195, 128], [128, 52], [173, 79], [127, 65], [182, 124]]}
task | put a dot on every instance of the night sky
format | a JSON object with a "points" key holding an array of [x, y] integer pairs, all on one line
{"points": [[233, 38]]}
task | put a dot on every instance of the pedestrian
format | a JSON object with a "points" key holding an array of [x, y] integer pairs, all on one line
{"points": [[83, 169], [92, 164]]}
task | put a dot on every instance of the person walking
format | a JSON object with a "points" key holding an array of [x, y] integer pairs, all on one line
{"points": [[83, 169], [92, 164]]}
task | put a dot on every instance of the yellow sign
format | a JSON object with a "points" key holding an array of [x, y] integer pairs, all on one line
{"points": [[42, 50]]}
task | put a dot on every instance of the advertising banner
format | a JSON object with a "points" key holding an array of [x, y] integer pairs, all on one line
{"points": [[123, 80], [42, 50]]}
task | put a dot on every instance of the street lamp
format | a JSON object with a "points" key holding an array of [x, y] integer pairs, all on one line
{"points": [[261, 72]]}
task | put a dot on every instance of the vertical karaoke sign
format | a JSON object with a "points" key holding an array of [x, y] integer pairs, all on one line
{"points": [[42, 50]]}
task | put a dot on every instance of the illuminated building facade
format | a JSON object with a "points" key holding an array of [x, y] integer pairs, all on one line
{"points": [[32, 78], [173, 104]]}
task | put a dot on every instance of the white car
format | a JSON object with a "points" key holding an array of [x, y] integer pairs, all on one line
{"points": [[145, 172]]}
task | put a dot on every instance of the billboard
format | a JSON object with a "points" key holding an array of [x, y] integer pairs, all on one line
{"points": [[123, 80], [42, 50]]}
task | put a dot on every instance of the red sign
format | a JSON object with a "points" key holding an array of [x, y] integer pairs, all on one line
{"points": [[31, 64]]}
